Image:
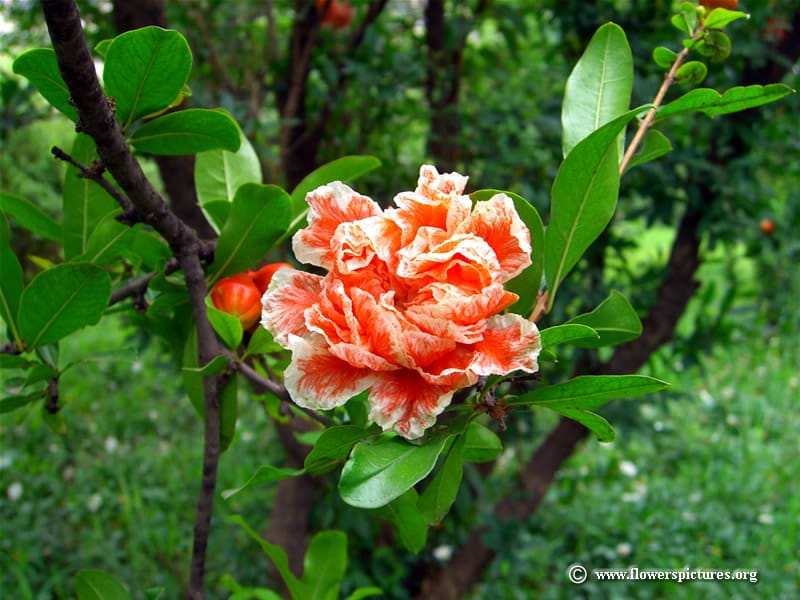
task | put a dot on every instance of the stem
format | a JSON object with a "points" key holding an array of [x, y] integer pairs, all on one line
{"points": [[647, 122], [98, 121]]}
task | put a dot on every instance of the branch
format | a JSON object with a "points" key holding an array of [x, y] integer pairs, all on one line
{"points": [[98, 121]]}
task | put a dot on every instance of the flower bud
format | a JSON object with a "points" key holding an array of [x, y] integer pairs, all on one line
{"points": [[239, 296]]}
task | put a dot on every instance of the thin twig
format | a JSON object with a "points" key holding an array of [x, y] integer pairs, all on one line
{"points": [[96, 174], [647, 122]]}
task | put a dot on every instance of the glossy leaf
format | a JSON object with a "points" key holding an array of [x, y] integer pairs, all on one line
{"points": [[599, 87], [584, 197], [264, 474], [219, 173], [345, 169], [29, 216], [710, 102], [590, 392], [440, 493], [365, 592], [228, 327], [12, 403], [11, 284], [62, 300], [526, 285], [261, 342], [5, 230], [145, 69], [40, 67], [721, 17], [187, 132], [151, 249], [216, 366], [15, 361], [592, 421], [408, 523], [259, 216], [278, 557], [654, 145], [380, 471], [691, 73], [481, 444], [93, 584], [566, 334], [332, 448], [324, 565], [192, 379], [216, 213], [614, 320], [664, 57], [109, 241], [85, 202]]}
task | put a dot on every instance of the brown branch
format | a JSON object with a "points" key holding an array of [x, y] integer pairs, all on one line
{"points": [[98, 121]]}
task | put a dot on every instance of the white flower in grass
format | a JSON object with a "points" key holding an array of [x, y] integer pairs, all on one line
{"points": [[443, 553], [14, 491], [94, 502], [624, 549], [627, 468], [766, 519], [111, 444]]}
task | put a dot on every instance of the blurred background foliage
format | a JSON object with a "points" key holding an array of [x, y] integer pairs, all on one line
{"points": [[703, 475]]}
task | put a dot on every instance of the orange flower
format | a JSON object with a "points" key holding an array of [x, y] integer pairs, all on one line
{"points": [[410, 306]]}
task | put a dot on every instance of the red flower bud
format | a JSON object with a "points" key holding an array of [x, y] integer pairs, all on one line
{"points": [[239, 296], [263, 276], [712, 4], [767, 226], [338, 15]]}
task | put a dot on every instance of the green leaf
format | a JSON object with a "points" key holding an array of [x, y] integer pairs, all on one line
{"points": [[710, 102], [93, 584], [481, 444], [145, 70], [101, 47], [259, 216], [664, 57], [592, 421], [324, 565], [332, 448], [54, 421], [526, 285], [216, 366], [721, 17], [187, 132], [409, 524], [192, 379], [583, 200], [691, 73], [228, 327], [261, 342], [38, 373], [228, 411], [366, 592], [29, 216], [11, 284], [654, 145], [278, 557], [264, 474], [85, 202], [40, 67], [5, 230], [599, 87], [62, 300], [563, 334], [381, 470], [11, 403], [216, 213], [345, 169], [440, 493], [109, 241], [15, 361], [218, 174], [686, 20], [614, 320], [151, 249], [590, 392]]}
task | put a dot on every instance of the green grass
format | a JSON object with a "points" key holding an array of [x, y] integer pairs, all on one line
{"points": [[705, 477]]}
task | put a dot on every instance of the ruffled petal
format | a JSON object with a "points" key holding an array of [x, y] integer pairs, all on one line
{"points": [[496, 221], [284, 303], [317, 379], [509, 343], [329, 206], [404, 402]]}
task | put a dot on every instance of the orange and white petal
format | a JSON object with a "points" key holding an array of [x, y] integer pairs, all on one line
{"points": [[329, 206], [319, 380], [284, 303], [452, 370], [510, 343], [404, 402], [497, 221], [433, 184]]}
